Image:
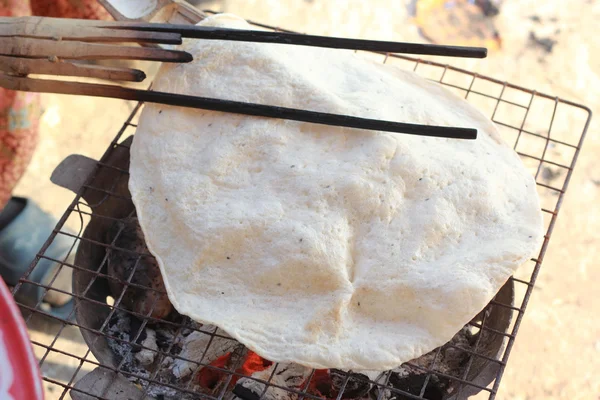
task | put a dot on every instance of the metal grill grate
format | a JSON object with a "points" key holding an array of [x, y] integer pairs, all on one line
{"points": [[547, 132]]}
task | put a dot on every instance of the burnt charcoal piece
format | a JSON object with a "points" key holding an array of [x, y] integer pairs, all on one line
{"points": [[245, 393], [176, 349], [449, 360], [121, 264], [358, 385], [163, 340], [134, 326], [413, 383]]}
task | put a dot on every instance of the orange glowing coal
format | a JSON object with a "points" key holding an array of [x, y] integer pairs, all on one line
{"points": [[208, 378], [319, 385]]}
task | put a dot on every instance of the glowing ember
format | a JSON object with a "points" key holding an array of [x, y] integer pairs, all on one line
{"points": [[320, 384], [254, 363], [208, 378]]}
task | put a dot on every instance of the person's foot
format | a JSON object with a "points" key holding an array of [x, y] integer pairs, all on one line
{"points": [[24, 228]]}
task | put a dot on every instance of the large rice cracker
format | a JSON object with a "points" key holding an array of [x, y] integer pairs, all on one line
{"points": [[326, 246]]}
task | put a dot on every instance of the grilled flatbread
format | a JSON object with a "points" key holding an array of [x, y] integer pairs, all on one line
{"points": [[326, 246]]}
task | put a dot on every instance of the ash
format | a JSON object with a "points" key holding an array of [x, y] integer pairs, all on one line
{"points": [[146, 363], [449, 360], [194, 343], [119, 327]]}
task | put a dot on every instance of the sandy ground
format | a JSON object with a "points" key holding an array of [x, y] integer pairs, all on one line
{"points": [[557, 351]]}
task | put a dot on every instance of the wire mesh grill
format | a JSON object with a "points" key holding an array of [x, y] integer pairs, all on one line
{"points": [[547, 132]]}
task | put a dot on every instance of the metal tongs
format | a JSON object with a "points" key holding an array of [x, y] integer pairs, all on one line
{"points": [[51, 46]]}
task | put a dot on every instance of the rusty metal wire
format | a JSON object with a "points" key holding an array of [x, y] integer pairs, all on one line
{"points": [[546, 131]]}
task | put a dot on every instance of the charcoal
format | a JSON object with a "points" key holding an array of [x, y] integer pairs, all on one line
{"points": [[192, 344], [413, 383], [163, 339], [134, 327], [357, 387], [176, 349], [291, 376], [245, 393], [146, 356], [195, 347]]}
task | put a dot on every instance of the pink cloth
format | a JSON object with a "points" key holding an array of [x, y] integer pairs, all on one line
{"points": [[20, 111]]}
